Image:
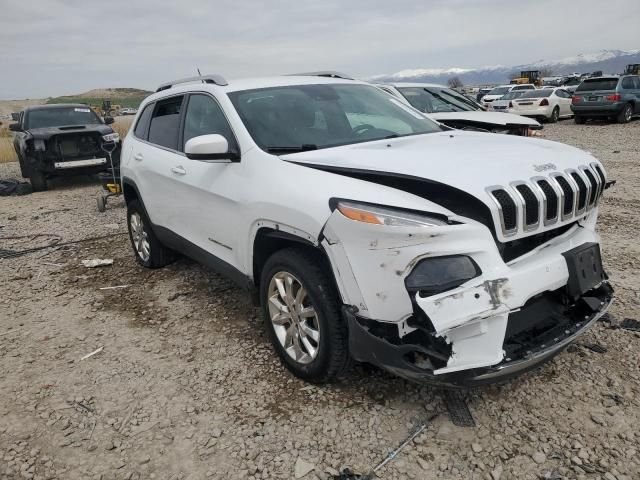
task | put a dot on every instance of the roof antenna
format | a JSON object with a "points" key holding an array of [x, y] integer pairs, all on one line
{"points": [[199, 74]]}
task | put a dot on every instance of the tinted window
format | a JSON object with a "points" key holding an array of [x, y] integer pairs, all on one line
{"points": [[165, 123], [142, 127], [499, 91], [563, 94], [524, 87], [598, 84], [628, 83], [537, 93], [204, 116], [430, 100], [61, 117]]}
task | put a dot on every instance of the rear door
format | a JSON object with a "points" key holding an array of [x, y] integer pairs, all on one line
{"points": [[156, 156]]}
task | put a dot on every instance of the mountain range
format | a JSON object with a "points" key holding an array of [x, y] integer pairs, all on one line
{"points": [[608, 61]]}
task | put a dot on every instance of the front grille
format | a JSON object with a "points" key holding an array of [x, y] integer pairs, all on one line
{"points": [[551, 212], [508, 207], [548, 200], [582, 190]]}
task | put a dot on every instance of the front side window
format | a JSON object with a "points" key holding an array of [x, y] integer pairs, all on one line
{"points": [[203, 117], [165, 123], [60, 117], [308, 117]]}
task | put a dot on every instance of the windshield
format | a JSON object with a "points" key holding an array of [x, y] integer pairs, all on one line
{"points": [[499, 91], [60, 117], [537, 93], [434, 100], [308, 117], [598, 84]]}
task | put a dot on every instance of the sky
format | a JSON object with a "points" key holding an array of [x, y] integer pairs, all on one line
{"points": [[60, 47]]}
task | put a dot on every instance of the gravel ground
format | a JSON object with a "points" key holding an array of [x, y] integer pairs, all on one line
{"points": [[186, 385]]}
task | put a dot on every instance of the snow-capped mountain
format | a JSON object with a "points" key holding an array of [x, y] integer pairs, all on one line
{"points": [[608, 61]]}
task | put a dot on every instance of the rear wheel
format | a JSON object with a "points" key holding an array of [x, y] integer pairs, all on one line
{"points": [[147, 248], [38, 181], [625, 114], [555, 115], [301, 310], [578, 119]]}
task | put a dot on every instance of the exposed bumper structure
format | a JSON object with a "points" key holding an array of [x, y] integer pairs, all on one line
{"points": [[544, 344]]}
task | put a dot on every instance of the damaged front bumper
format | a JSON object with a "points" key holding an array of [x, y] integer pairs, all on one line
{"points": [[535, 334], [510, 317]]}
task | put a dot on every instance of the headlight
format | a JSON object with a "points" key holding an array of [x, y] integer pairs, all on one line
{"points": [[440, 274], [111, 137], [361, 212]]}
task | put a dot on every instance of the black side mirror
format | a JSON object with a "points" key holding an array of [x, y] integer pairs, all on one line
{"points": [[108, 120], [15, 127]]}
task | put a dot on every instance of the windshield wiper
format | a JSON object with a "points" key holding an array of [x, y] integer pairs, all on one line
{"points": [[292, 149]]}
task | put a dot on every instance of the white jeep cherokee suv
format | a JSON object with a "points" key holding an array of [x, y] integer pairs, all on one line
{"points": [[366, 230]]}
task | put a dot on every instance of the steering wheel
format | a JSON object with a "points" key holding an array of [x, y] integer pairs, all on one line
{"points": [[360, 129]]}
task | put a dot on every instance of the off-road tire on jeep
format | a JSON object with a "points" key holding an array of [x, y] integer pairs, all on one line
{"points": [[38, 181], [555, 115], [625, 114], [333, 352], [158, 255], [579, 120]]}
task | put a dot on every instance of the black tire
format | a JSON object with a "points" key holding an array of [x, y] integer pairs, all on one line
{"points": [[625, 114], [333, 351], [159, 255], [38, 181], [555, 115], [101, 202], [578, 119]]}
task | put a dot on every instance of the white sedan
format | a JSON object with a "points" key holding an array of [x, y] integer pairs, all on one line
{"points": [[547, 104]]}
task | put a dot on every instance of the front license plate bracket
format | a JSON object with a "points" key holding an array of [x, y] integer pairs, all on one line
{"points": [[585, 268]]}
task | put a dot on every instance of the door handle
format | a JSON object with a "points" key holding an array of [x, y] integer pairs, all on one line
{"points": [[179, 170], [138, 157]]}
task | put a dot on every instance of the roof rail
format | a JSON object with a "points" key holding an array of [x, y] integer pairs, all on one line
{"points": [[215, 79], [328, 73]]}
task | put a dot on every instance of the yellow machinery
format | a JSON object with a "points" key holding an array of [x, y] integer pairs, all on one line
{"points": [[528, 76], [632, 69]]}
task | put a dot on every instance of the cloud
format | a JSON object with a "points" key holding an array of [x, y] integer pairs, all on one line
{"points": [[53, 47]]}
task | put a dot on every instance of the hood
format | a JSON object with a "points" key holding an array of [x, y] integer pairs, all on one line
{"points": [[470, 162], [48, 132], [493, 118]]}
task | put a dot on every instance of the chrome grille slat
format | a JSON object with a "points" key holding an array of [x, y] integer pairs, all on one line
{"points": [[546, 200]]}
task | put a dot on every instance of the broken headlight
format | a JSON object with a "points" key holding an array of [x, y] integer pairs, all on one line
{"points": [[362, 212], [439, 274], [39, 145], [111, 137]]}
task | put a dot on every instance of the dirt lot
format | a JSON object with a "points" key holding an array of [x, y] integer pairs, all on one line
{"points": [[187, 387]]}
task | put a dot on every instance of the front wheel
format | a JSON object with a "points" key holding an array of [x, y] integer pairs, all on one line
{"points": [[625, 115], [301, 310]]}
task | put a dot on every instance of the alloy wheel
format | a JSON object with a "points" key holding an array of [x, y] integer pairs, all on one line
{"points": [[627, 113], [294, 318], [139, 237]]}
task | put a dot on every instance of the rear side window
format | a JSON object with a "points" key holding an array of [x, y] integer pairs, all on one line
{"points": [[165, 123], [598, 84], [204, 116], [142, 127], [628, 82]]}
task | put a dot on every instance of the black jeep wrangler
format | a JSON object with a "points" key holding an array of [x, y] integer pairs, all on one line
{"points": [[63, 139]]}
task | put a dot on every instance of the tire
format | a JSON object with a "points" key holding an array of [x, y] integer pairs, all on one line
{"points": [[101, 202], [331, 343], [38, 181], [148, 250], [578, 119], [625, 114], [555, 115]]}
